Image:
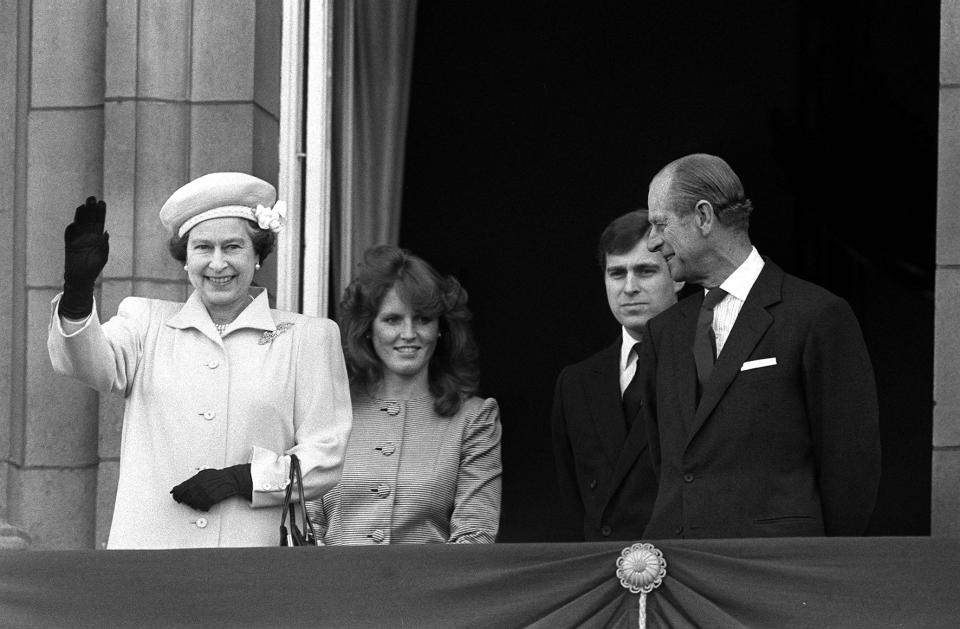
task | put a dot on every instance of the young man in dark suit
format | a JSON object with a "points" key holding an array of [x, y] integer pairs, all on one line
{"points": [[762, 410], [600, 445]]}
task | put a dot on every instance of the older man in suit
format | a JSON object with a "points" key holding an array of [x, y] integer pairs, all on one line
{"points": [[600, 445], [763, 414]]}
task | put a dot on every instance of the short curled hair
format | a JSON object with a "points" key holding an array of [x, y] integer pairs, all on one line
{"points": [[705, 177], [622, 235], [263, 241], [453, 370]]}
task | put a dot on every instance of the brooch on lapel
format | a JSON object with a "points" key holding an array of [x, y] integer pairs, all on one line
{"points": [[269, 336]]}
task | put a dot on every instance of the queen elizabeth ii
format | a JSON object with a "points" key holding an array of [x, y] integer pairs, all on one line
{"points": [[220, 390]]}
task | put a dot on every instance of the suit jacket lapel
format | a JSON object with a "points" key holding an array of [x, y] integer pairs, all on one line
{"points": [[686, 369], [751, 325], [602, 390], [628, 451]]}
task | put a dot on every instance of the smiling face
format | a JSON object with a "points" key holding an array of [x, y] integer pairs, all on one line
{"points": [[638, 286], [221, 261], [403, 339], [674, 235]]}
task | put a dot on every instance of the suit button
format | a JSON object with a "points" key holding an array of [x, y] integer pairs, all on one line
{"points": [[213, 364], [377, 536], [382, 490], [593, 483], [688, 478], [605, 530], [201, 523]]}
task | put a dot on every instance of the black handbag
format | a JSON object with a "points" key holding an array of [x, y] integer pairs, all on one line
{"points": [[306, 536]]}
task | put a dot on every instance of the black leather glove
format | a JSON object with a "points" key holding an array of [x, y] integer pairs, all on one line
{"points": [[208, 487], [87, 247]]}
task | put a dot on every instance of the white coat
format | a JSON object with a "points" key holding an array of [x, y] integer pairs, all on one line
{"points": [[274, 385]]}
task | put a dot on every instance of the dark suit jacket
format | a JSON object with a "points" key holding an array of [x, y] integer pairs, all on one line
{"points": [[605, 475], [790, 449]]}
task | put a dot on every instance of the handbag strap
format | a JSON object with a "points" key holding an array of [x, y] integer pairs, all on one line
{"points": [[307, 522], [308, 530]]}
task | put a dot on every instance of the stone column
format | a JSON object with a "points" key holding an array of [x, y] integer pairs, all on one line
{"points": [[945, 503]]}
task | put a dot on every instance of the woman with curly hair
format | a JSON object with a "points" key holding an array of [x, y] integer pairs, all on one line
{"points": [[423, 460]]}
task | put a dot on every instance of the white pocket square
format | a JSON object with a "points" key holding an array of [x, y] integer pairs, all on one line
{"points": [[756, 364]]}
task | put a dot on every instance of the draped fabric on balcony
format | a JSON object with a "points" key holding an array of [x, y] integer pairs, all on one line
{"points": [[834, 582]]}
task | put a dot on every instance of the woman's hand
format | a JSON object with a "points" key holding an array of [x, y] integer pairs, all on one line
{"points": [[86, 249], [208, 487]]}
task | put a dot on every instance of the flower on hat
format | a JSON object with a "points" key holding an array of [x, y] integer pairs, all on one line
{"points": [[272, 218]]}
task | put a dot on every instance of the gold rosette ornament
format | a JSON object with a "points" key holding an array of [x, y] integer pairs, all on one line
{"points": [[641, 569]]}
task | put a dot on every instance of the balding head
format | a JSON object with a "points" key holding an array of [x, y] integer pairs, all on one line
{"points": [[682, 183]]}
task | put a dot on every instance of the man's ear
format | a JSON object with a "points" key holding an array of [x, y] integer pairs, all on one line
{"points": [[678, 286], [704, 216]]}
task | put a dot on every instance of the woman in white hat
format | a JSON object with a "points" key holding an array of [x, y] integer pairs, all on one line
{"points": [[219, 390]]}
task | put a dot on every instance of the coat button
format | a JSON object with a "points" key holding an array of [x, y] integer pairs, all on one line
{"points": [[377, 536], [391, 408], [688, 478], [201, 523], [266, 487], [593, 483], [605, 530], [208, 415], [387, 449], [213, 364], [382, 490]]}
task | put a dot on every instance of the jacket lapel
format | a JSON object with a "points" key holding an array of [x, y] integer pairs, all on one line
{"points": [[629, 450], [751, 325], [602, 391], [685, 375]]}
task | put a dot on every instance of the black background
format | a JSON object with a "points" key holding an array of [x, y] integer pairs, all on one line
{"points": [[533, 124]]}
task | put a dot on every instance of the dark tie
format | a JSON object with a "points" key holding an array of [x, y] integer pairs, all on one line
{"points": [[704, 341], [631, 395]]}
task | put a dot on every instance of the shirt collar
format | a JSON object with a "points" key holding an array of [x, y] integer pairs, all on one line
{"points": [[193, 314], [626, 345], [742, 280]]}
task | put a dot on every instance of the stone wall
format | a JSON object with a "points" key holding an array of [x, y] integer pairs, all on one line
{"points": [[128, 101], [945, 503]]}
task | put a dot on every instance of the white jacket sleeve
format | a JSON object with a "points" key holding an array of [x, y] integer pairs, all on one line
{"points": [[322, 420], [104, 357]]}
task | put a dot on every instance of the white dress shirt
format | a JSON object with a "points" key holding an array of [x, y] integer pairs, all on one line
{"points": [[738, 286], [628, 360]]}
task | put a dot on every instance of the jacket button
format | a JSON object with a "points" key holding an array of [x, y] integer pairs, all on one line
{"points": [[213, 364], [688, 478], [593, 483], [391, 408], [208, 415], [605, 530], [377, 536], [201, 523], [387, 449], [382, 490]]}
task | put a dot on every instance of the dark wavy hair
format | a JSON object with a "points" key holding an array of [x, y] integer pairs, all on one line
{"points": [[622, 234], [263, 240], [454, 372]]}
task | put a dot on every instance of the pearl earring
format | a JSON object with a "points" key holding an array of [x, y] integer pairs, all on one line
{"points": [[257, 266], [184, 267]]}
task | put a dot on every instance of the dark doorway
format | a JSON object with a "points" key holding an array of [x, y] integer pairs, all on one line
{"points": [[533, 124]]}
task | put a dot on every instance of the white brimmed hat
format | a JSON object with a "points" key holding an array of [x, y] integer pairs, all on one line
{"points": [[220, 195]]}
